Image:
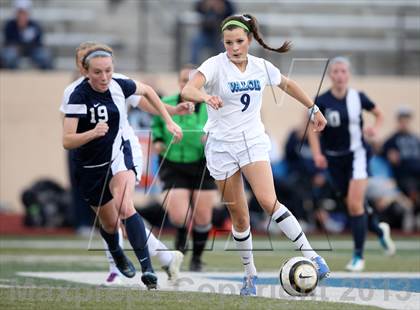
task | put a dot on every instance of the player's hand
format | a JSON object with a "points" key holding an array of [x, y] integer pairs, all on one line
{"points": [[204, 139], [100, 129], [393, 157], [184, 108], [159, 147], [175, 130], [319, 121], [215, 102], [370, 132], [320, 161]]}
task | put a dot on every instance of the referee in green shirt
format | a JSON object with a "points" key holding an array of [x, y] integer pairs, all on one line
{"points": [[191, 190]]}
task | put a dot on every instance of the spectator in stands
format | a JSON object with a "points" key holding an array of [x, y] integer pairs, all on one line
{"points": [[212, 13], [391, 205], [402, 150], [302, 175], [23, 37], [310, 184]]}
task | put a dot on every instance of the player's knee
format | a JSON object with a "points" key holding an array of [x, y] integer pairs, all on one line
{"points": [[267, 203], [125, 210], [355, 208], [203, 216], [241, 223], [178, 220], [202, 219], [109, 226]]}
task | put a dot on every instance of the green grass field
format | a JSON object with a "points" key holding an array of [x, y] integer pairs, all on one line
{"points": [[18, 292]]}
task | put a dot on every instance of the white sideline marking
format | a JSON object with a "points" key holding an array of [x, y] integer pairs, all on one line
{"points": [[199, 282]]}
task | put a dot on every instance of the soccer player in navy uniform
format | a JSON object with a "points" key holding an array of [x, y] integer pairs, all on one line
{"points": [[96, 126], [170, 260], [344, 150]]}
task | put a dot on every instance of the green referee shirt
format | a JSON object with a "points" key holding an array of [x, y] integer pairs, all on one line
{"points": [[190, 148]]}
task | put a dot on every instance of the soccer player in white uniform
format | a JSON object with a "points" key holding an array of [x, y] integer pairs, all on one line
{"points": [[96, 126], [237, 143]]}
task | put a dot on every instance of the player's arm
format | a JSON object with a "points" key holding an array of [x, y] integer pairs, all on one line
{"points": [[153, 98], [72, 140], [193, 91], [182, 108], [157, 134], [291, 88], [371, 131]]}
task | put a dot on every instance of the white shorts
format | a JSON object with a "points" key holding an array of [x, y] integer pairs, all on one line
{"points": [[129, 157], [225, 158]]}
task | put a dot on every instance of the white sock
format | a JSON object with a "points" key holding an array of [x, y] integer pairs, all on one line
{"points": [[158, 249], [243, 242], [120, 238], [291, 228], [112, 267]]}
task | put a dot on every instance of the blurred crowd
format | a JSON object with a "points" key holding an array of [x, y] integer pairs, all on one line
{"points": [[23, 38]]}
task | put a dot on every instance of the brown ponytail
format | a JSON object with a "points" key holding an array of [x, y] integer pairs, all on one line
{"points": [[250, 21]]}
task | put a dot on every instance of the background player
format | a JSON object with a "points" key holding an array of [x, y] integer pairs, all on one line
{"points": [[345, 152], [185, 176], [237, 143]]}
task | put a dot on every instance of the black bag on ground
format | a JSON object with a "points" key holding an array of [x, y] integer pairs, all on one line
{"points": [[47, 204]]}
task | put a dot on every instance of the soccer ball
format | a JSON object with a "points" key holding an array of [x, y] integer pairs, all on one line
{"points": [[298, 276]]}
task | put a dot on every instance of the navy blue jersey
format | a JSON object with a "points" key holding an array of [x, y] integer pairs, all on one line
{"points": [[344, 131], [92, 107]]}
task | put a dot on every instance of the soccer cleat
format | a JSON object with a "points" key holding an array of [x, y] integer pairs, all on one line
{"points": [[356, 264], [249, 286], [149, 279], [113, 279], [125, 266], [172, 270], [321, 267], [386, 242], [196, 265]]}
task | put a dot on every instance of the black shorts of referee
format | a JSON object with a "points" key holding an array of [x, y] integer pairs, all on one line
{"points": [[193, 176]]}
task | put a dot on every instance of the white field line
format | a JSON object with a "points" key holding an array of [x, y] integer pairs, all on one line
{"points": [[199, 282]]}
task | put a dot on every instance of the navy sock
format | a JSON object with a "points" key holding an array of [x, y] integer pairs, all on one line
{"points": [[112, 241], [358, 230], [138, 239], [373, 222], [200, 235], [181, 239]]}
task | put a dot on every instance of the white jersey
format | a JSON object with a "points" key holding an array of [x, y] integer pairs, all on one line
{"points": [[241, 93]]}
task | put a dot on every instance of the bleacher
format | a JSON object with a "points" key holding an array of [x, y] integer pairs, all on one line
{"points": [[381, 37], [68, 23]]}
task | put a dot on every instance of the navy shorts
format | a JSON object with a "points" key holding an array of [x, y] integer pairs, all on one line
{"points": [[343, 168], [186, 175], [93, 184]]}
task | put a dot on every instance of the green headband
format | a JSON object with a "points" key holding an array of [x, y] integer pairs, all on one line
{"points": [[235, 23]]}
